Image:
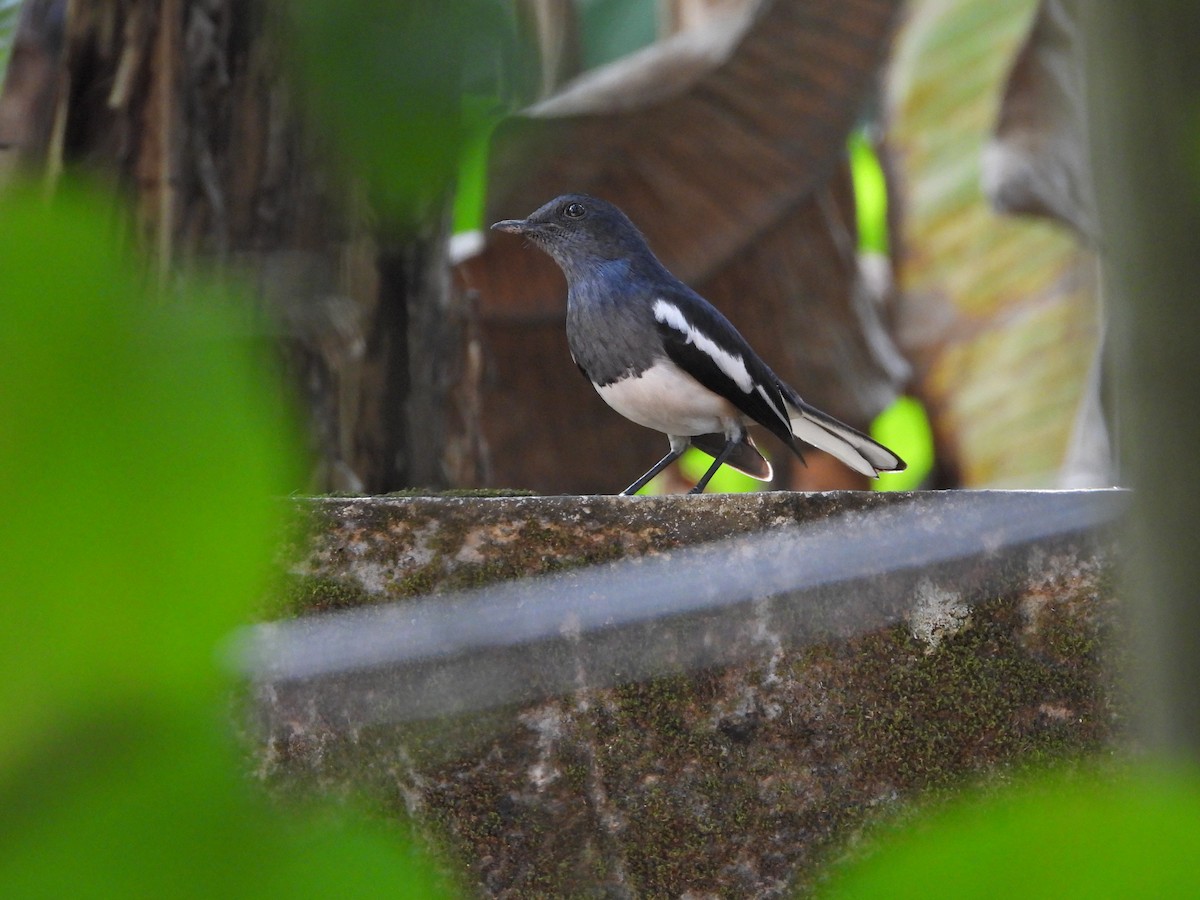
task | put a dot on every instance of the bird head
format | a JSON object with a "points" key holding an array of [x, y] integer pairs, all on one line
{"points": [[580, 232]]}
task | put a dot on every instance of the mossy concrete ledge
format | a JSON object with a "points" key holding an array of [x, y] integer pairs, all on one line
{"points": [[653, 697]]}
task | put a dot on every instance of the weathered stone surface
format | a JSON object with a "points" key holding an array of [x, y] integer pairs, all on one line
{"points": [[706, 694]]}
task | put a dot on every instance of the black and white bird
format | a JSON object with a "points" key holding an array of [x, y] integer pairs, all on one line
{"points": [[664, 357]]}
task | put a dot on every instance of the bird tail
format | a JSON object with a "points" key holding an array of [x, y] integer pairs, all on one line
{"points": [[745, 456], [855, 449]]}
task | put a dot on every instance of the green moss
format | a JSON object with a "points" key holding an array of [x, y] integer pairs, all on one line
{"points": [[448, 537], [296, 595], [488, 492], [980, 697], [416, 583], [439, 532], [458, 492], [476, 575], [657, 749], [538, 549], [1056, 632]]}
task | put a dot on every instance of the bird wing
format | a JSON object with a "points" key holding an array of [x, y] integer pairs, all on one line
{"points": [[703, 343]]}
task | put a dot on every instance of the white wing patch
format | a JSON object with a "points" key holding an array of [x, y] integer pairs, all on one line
{"points": [[733, 366]]}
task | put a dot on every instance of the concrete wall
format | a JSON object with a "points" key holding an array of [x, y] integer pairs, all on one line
{"points": [[710, 694]]}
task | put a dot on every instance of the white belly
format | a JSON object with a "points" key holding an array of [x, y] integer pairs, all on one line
{"points": [[667, 399]]}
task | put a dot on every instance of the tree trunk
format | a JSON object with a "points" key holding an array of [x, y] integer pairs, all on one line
{"points": [[185, 105]]}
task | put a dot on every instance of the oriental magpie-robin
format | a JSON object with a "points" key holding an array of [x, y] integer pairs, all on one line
{"points": [[664, 357]]}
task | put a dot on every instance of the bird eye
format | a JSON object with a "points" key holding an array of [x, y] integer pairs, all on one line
{"points": [[574, 210]]}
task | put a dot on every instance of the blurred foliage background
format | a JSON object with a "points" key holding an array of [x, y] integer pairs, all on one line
{"points": [[1000, 313], [303, 166], [303, 153]]}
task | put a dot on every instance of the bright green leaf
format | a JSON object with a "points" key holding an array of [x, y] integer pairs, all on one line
{"points": [[1058, 837], [398, 85], [142, 459], [905, 428]]}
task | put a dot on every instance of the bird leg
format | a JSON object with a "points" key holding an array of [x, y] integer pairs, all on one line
{"points": [[654, 470], [730, 444]]}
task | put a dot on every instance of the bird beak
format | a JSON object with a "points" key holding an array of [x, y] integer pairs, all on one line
{"points": [[512, 226]]}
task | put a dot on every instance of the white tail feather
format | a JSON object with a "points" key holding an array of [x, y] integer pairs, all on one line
{"points": [[856, 450]]}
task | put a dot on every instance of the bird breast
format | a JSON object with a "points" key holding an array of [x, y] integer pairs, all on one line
{"points": [[667, 399]]}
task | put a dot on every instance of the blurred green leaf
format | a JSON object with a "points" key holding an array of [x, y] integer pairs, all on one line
{"points": [[470, 193], [1058, 836], [399, 87], [141, 459], [904, 426], [138, 464], [870, 195], [694, 463]]}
